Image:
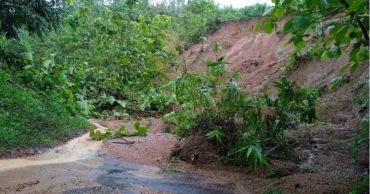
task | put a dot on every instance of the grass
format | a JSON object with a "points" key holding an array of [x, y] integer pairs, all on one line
{"points": [[28, 120], [360, 188]]}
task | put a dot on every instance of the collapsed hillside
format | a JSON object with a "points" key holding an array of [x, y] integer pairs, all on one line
{"points": [[320, 147], [257, 58], [321, 163]]}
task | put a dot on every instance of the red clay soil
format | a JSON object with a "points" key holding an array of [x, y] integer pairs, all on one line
{"points": [[149, 150], [255, 56], [322, 146], [323, 164]]}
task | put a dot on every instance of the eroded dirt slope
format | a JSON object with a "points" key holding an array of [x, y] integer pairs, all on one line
{"points": [[256, 58], [253, 55], [325, 164]]}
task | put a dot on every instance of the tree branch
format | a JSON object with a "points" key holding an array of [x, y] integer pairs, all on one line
{"points": [[363, 29]]}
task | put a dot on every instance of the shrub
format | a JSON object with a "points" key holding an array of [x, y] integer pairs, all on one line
{"points": [[243, 125], [30, 120]]}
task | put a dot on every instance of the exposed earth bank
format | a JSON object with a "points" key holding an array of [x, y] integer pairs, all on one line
{"points": [[160, 163]]}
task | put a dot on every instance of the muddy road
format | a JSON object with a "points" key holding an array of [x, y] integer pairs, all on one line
{"points": [[83, 165], [80, 166], [101, 174]]}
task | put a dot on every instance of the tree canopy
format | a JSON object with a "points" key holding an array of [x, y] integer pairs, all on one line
{"points": [[38, 16]]}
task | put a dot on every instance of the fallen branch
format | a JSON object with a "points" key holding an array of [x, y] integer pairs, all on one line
{"points": [[125, 142]]}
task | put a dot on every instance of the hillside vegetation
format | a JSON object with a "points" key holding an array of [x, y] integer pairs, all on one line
{"points": [[96, 59], [239, 89]]}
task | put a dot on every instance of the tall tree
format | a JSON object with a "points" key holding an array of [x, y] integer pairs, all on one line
{"points": [[38, 16]]}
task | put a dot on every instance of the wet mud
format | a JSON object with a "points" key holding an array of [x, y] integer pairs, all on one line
{"points": [[124, 177], [80, 166]]}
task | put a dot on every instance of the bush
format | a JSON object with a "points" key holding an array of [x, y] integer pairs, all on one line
{"points": [[242, 125], [30, 120]]}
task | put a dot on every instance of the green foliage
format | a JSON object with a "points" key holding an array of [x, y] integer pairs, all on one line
{"points": [[313, 20], [297, 101], [110, 59], [155, 100], [121, 132], [28, 119], [360, 139], [120, 51], [362, 187], [141, 131], [247, 151], [362, 94], [38, 16], [217, 134], [194, 19], [91, 131], [271, 173], [336, 82], [133, 50], [361, 136], [98, 135], [242, 125]]}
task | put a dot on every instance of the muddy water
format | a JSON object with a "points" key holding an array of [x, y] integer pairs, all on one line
{"points": [[80, 167], [79, 148]]}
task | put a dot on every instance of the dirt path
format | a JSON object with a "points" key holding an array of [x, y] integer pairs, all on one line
{"points": [[86, 166], [102, 174], [82, 166]]}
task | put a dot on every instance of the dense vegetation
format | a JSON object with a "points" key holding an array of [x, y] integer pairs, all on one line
{"points": [[94, 59], [29, 120]]}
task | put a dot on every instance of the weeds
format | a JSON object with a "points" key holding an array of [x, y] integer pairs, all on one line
{"points": [[360, 139], [171, 170], [361, 136], [242, 125], [361, 188]]}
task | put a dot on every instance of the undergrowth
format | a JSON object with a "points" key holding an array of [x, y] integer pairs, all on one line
{"points": [[362, 136], [361, 188], [360, 139], [30, 120], [248, 128], [106, 60]]}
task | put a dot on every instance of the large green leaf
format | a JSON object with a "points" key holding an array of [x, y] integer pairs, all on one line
{"points": [[279, 11], [84, 106], [312, 4], [111, 100], [257, 26], [301, 22], [268, 26], [355, 5]]}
